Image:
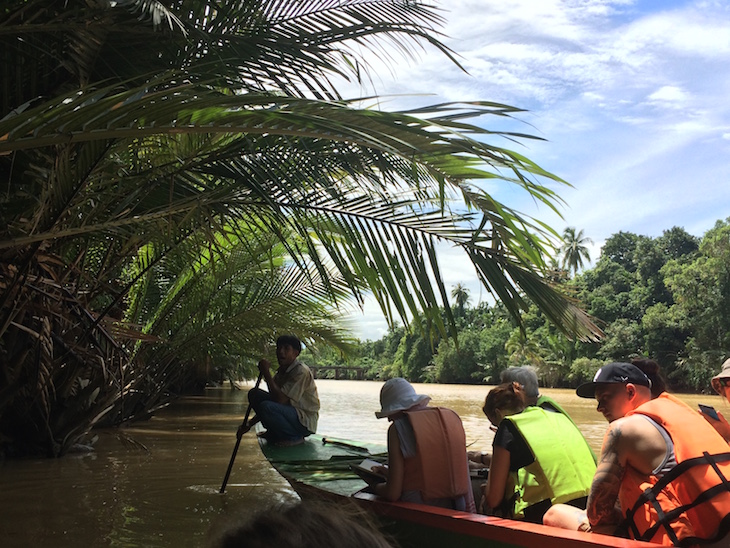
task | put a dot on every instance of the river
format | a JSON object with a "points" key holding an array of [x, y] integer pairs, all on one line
{"points": [[157, 483]]}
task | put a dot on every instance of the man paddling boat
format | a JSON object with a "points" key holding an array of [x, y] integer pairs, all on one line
{"points": [[290, 409]]}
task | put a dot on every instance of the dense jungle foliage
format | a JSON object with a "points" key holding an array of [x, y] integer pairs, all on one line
{"points": [[667, 298]]}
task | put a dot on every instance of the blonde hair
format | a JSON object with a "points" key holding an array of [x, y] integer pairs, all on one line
{"points": [[509, 396]]}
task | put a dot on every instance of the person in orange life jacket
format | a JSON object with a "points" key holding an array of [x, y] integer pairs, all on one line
{"points": [[539, 457], [526, 376], [290, 409], [721, 385], [662, 470], [427, 461]]}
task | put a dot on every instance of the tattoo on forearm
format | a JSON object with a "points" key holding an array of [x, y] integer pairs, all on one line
{"points": [[602, 501]]}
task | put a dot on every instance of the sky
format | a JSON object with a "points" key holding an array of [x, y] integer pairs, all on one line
{"points": [[631, 97]]}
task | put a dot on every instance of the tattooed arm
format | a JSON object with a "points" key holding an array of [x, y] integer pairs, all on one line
{"points": [[602, 506]]}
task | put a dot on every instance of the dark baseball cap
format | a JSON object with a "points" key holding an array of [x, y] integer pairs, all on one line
{"points": [[614, 373]]}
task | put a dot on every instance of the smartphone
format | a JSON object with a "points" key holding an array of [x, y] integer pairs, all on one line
{"points": [[709, 411]]}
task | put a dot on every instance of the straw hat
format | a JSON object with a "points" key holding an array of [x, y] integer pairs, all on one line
{"points": [[723, 374], [398, 395]]}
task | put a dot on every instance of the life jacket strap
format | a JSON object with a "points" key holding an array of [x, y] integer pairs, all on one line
{"points": [[664, 519]]}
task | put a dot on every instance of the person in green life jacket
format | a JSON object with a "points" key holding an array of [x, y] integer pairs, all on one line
{"points": [[539, 458], [526, 376]]}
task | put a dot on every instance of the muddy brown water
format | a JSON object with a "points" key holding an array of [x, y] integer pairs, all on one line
{"points": [[157, 483]]}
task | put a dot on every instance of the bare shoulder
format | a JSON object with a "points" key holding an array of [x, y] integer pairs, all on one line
{"points": [[620, 430], [637, 427], [392, 433], [639, 443], [623, 434]]}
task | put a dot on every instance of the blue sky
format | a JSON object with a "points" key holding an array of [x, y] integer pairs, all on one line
{"points": [[632, 97]]}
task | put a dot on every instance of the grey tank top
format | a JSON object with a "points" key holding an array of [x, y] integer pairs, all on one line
{"points": [[670, 460]]}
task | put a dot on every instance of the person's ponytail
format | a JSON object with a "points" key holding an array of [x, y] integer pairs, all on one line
{"points": [[651, 370]]}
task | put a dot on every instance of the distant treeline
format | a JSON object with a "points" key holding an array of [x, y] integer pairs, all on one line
{"points": [[667, 298]]}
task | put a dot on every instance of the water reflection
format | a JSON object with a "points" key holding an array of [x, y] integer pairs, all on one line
{"points": [[125, 495], [156, 484]]}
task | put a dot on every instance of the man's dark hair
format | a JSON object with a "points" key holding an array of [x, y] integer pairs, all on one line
{"points": [[651, 370], [289, 340], [303, 525]]}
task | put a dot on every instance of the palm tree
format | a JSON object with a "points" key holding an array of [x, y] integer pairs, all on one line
{"points": [[209, 312], [137, 139], [574, 249], [460, 294], [556, 272], [524, 349]]}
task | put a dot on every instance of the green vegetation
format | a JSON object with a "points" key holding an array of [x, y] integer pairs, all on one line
{"points": [[182, 181], [667, 298]]}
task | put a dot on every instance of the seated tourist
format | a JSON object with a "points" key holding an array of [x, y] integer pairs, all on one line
{"points": [[539, 458], [426, 451], [721, 385], [526, 377], [662, 474]]}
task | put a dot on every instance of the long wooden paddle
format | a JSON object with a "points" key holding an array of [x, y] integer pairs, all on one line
{"points": [[345, 444], [238, 441]]}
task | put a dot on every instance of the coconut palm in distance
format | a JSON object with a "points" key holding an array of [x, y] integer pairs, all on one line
{"points": [[574, 249], [461, 297], [524, 350]]}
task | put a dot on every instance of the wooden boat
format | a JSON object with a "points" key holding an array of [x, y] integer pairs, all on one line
{"points": [[320, 468]]}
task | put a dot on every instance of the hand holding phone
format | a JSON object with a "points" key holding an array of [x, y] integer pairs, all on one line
{"points": [[709, 411]]}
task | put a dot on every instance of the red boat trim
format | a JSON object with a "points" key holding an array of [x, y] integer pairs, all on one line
{"points": [[509, 531]]}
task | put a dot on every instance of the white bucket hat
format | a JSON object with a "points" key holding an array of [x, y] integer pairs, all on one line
{"points": [[398, 395]]}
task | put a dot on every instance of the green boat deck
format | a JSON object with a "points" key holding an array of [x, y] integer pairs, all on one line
{"points": [[323, 462]]}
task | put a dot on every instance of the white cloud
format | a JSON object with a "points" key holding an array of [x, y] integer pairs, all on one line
{"points": [[669, 94], [369, 322]]}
